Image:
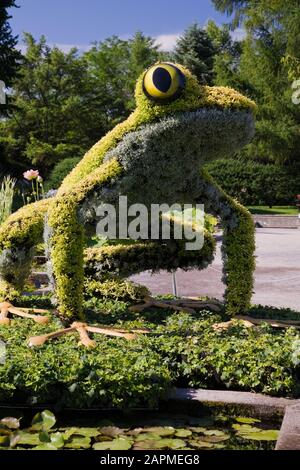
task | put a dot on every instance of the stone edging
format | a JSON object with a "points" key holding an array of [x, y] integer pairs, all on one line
{"points": [[258, 404], [276, 221]]}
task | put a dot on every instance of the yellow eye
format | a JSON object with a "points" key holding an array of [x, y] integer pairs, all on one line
{"points": [[163, 82]]}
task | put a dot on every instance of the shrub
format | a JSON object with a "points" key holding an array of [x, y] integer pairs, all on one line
{"points": [[60, 171], [255, 359], [254, 183]]}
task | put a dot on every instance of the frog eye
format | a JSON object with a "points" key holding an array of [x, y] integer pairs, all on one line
{"points": [[163, 82]]}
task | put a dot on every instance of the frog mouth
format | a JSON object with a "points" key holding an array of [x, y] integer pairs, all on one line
{"points": [[201, 135]]}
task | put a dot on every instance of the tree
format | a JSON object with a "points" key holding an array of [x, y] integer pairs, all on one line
{"points": [[9, 56], [196, 51], [115, 65], [57, 112], [269, 62]]}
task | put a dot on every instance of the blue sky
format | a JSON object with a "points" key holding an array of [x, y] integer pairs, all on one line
{"points": [[74, 22]]}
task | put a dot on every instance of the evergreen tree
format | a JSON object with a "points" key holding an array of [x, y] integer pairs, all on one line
{"points": [[227, 56], [9, 56], [195, 49]]}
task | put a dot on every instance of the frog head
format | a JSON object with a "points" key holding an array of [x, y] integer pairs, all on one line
{"points": [[177, 124], [219, 118]]}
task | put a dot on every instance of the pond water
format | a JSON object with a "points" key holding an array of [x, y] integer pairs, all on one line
{"points": [[137, 430]]}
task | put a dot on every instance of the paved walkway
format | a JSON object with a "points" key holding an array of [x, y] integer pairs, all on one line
{"points": [[277, 276]]}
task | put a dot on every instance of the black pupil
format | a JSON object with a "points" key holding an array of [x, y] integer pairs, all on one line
{"points": [[162, 79]]}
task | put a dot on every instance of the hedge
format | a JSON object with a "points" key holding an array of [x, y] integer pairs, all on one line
{"points": [[255, 183]]}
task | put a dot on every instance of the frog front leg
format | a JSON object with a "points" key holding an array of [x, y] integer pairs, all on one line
{"points": [[238, 245], [66, 248]]}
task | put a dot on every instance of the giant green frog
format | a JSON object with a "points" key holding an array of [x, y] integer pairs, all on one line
{"points": [[156, 156]]}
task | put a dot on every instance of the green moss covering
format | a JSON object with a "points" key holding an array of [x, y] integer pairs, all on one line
{"points": [[24, 227]]}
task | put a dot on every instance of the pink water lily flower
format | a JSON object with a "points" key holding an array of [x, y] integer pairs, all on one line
{"points": [[30, 175]]}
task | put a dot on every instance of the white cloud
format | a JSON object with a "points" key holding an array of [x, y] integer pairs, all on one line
{"points": [[63, 47], [166, 42]]}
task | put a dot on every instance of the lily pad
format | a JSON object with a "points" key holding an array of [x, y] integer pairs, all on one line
{"points": [[198, 444], [148, 436], [29, 439], [57, 440], [111, 431], [161, 443], [85, 432], [135, 432], [215, 439], [43, 421], [245, 420], [245, 428], [161, 431], [11, 423], [44, 436], [78, 443], [198, 429], [4, 441], [183, 433], [214, 432], [45, 446], [263, 435], [120, 443], [4, 430]]}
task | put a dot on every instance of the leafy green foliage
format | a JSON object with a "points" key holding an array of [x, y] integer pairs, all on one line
{"points": [[254, 183], [57, 111], [269, 64]]}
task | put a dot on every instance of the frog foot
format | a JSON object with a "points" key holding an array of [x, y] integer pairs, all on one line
{"points": [[82, 329], [7, 309], [187, 305], [250, 322]]}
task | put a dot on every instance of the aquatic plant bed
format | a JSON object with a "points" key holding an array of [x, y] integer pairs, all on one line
{"points": [[181, 350], [136, 431]]}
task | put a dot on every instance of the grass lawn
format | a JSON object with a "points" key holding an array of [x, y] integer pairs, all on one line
{"points": [[276, 210]]}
